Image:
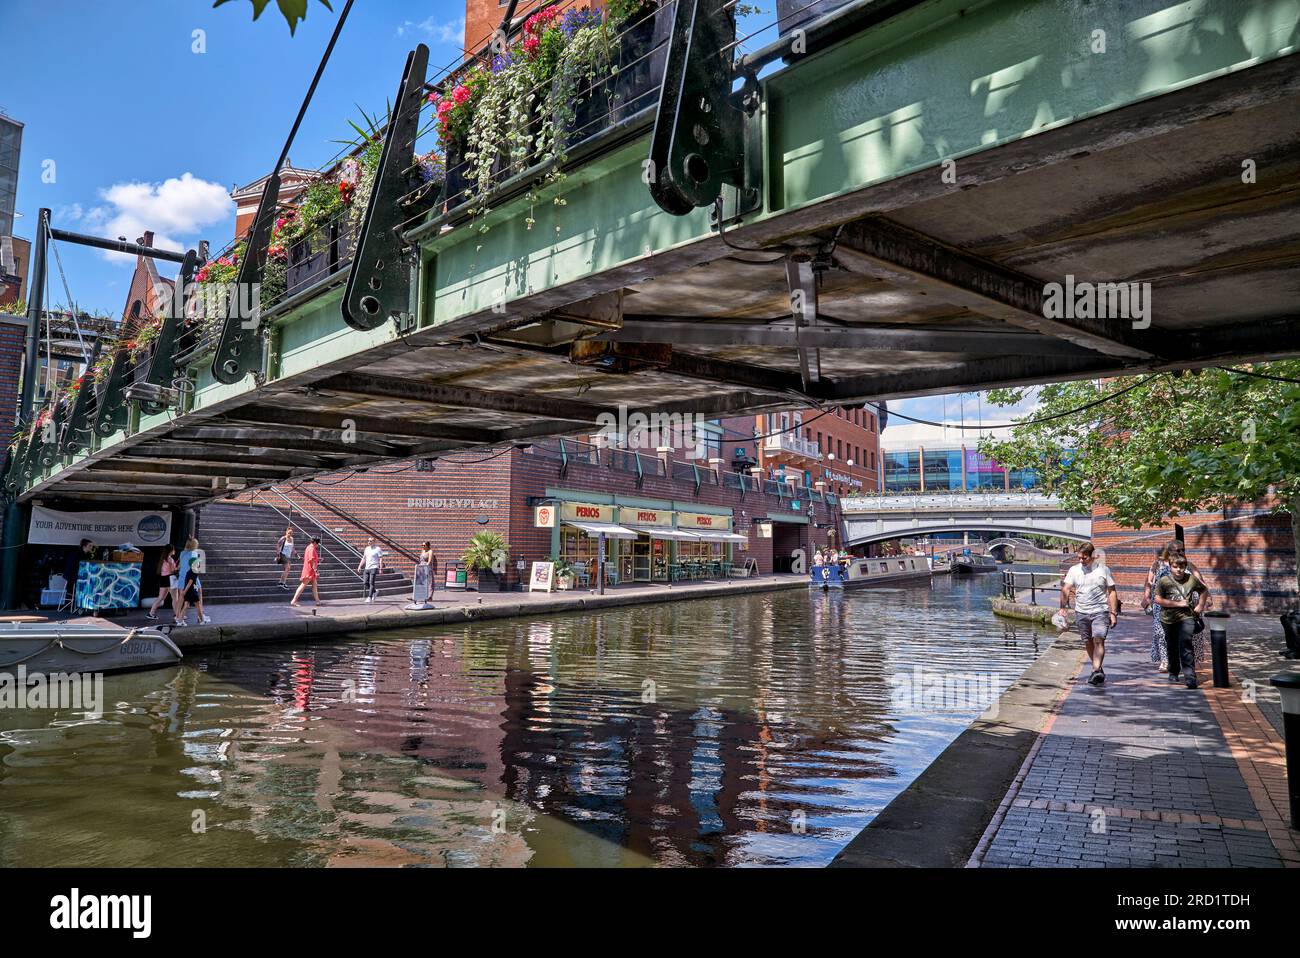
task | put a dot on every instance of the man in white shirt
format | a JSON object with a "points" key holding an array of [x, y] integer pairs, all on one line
{"points": [[1091, 588], [371, 564]]}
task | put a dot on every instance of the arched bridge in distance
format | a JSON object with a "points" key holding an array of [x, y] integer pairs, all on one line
{"points": [[870, 519]]}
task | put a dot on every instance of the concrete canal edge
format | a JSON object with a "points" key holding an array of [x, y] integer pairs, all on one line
{"points": [[1023, 611], [511, 605], [938, 820]]}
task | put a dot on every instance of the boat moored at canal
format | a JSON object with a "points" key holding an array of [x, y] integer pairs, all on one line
{"points": [[969, 564], [857, 572], [49, 647]]}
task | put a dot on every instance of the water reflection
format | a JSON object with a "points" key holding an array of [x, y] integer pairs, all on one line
{"points": [[755, 730]]}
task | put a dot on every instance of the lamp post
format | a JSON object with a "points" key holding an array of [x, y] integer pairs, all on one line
{"points": [[1288, 684]]}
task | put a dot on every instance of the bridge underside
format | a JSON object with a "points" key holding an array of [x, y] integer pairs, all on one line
{"points": [[929, 286]]}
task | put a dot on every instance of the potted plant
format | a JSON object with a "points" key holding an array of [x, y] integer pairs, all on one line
{"points": [[487, 555], [564, 577], [306, 232]]}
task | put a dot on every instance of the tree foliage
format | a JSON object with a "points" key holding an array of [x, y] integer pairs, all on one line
{"points": [[292, 10], [1157, 446]]}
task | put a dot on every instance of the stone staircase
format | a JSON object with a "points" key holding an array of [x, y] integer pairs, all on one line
{"points": [[240, 544]]}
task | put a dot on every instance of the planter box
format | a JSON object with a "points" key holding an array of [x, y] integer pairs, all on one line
{"points": [[460, 188], [309, 259], [642, 53], [591, 112], [489, 581], [345, 241]]}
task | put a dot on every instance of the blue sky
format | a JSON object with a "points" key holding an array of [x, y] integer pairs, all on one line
{"points": [[141, 131], [144, 132]]}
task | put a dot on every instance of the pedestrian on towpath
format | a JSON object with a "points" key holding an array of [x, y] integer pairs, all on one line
{"points": [[284, 556], [168, 566], [1091, 588], [370, 567], [310, 573], [1182, 597], [192, 566]]}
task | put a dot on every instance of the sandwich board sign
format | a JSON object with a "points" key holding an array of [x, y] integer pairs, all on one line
{"points": [[543, 577]]}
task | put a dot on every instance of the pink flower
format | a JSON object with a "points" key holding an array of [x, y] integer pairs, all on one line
{"points": [[461, 95]]}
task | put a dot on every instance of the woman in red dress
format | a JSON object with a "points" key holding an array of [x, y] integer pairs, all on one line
{"points": [[310, 571]]}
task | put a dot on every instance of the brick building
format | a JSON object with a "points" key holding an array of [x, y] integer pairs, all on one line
{"points": [[654, 511], [292, 182], [839, 447], [13, 338], [1245, 552], [482, 17]]}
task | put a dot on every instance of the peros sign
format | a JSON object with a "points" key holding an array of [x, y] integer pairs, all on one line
{"points": [[701, 520], [647, 517], [586, 512]]}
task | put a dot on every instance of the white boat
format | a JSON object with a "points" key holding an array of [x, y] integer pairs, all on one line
{"points": [[52, 647], [858, 572]]}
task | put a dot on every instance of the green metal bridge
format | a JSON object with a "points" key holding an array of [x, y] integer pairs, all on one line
{"points": [[873, 207]]}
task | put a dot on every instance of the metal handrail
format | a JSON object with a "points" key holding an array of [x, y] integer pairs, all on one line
{"points": [[302, 526], [1010, 584], [353, 520]]}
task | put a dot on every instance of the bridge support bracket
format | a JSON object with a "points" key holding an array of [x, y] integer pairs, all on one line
{"points": [[706, 137], [379, 283]]}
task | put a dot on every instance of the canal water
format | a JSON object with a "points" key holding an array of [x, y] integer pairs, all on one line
{"points": [[757, 730]]}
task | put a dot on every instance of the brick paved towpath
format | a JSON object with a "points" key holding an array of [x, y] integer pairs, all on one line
{"points": [[1141, 773]]}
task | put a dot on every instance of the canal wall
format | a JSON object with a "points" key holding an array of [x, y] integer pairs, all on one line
{"points": [[244, 624], [1022, 611]]}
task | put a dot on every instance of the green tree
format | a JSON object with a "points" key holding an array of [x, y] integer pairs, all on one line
{"points": [[293, 10], [1153, 447]]}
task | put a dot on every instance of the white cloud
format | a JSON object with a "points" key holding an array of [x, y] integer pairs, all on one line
{"points": [[447, 31], [176, 210]]}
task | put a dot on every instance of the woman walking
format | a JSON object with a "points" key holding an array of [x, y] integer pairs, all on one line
{"points": [[167, 569], [310, 572], [284, 556]]}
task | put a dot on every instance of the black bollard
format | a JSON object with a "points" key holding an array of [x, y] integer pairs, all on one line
{"points": [[1288, 684], [1219, 647]]}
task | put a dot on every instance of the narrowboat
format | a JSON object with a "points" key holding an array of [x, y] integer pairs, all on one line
{"points": [[858, 572]]}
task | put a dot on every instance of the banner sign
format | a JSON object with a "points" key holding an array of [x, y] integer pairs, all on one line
{"points": [[52, 528], [543, 577], [646, 517], [700, 520], [586, 512], [544, 517]]}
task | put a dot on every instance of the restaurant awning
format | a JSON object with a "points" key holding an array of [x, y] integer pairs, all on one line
{"points": [[715, 536], [663, 532], [610, 530]]}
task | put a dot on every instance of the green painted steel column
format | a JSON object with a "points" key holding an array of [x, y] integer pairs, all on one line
{"points": [[15, 537]]}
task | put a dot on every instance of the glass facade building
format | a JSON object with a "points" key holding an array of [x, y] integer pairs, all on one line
{"points": [[951, 469]]}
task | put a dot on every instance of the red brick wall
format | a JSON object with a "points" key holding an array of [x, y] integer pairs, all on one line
{"points": [[1246, 554], [482, 17]]}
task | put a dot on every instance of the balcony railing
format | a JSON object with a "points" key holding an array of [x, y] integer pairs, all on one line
{"points": [[788, 442]]}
